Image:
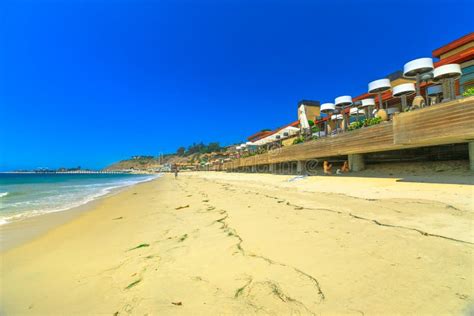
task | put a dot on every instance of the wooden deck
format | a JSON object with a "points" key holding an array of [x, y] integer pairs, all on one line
{"points": [[447, 123]]}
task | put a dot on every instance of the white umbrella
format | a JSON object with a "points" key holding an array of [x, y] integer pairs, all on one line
{"points": [[303, 118]]}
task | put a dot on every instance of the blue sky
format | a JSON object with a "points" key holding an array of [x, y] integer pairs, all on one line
{"points": [[92, 82]]}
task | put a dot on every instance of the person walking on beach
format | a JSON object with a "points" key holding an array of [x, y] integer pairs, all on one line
{"points": [[176, 173]]}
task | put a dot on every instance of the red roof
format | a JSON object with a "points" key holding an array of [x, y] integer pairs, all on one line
{"points": [[259, 135], [264, 134], [453, 45], [457, 58], [294, 124]]}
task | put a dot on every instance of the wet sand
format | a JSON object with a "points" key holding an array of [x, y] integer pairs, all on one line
{"points": [[217, 243], [19, 232]]}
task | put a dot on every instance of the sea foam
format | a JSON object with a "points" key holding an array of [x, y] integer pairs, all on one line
{"points": [[33, 198]]}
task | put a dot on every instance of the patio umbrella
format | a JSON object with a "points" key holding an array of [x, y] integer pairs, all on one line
{"points": [[303, 118]]}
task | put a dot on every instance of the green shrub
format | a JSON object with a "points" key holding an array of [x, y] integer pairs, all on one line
{"points": [[311, 123], [298, 140], [372, 121], [366, 122], [315, 129], [356, 125], [469, 92]]}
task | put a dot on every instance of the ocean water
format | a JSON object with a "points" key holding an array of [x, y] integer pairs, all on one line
{"points": [[26, 195]]}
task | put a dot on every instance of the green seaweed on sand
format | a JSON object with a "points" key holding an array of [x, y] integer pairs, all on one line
{"points": [[114, 219], [133, 284], [181, 207], [183, 238], [240, 290], [139, 246]]}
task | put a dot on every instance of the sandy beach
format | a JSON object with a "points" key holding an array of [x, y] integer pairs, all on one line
{"points": [[244, 244]]}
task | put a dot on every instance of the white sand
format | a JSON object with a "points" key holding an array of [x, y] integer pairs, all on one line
{"points": [[254, 244]]}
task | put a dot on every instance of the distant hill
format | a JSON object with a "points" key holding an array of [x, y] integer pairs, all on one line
{"points": [[134, 163], [190, 156], [149, 162]]}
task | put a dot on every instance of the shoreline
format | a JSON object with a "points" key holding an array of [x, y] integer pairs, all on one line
{"points": [[18, 232], [281, 247]]}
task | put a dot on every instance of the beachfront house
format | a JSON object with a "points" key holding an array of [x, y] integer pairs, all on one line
{"points": [[373, 127]]}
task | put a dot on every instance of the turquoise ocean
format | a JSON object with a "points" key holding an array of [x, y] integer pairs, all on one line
{"points": [[26, 195]]}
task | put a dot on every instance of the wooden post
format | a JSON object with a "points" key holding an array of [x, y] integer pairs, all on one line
{"points": [[300, 167], [356, 162], [471, 155]]}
